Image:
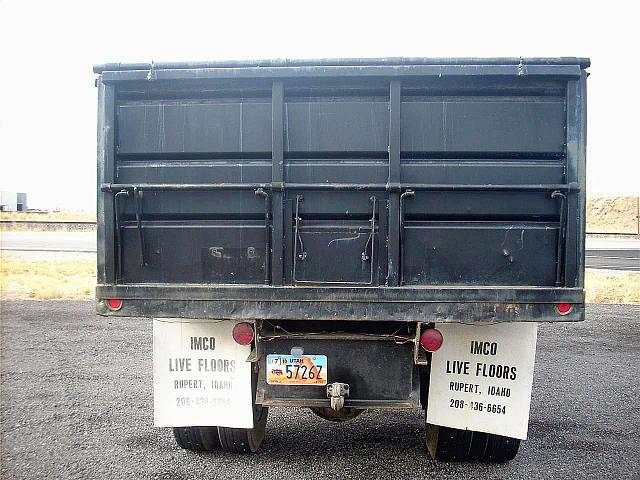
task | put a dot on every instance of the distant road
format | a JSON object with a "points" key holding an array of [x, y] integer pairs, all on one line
{"points": [[601, 254], [48, 245], [606, 254], [628, 260]]}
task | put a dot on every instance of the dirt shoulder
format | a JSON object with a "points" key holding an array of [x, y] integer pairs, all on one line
{"points": [[613, 215]]}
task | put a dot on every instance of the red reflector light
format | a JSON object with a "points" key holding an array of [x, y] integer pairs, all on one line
{"points": [[243, 333], [431, 339], [114, 303], [564, 308]]}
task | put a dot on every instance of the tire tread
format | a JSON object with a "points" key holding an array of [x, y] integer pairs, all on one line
{"points": [[455, 445], [197, 439]]}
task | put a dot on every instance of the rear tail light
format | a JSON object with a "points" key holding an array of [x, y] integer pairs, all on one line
{"points": [[564, 308], [114, 303], [243, 333], [431, 339]]}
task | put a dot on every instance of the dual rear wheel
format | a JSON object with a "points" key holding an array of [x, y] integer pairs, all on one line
{"points": [[232, 440], [227, 439], [453, 445], [444, 444]]}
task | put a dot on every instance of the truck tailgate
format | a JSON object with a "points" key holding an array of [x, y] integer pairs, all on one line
{"points": [[427, 177]]}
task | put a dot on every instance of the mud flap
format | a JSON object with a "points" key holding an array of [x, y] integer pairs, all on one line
{"points": [[481, 378], [200, 375]]}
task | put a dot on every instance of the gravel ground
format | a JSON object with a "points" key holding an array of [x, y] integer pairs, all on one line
{"points": [[77, 403]]}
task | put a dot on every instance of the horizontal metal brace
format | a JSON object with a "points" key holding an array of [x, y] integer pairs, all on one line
{"points": [[335, 336], [367, 294], [572, 187], [353, 62], [356, 187], [277, 186], [316, 402], [384, 71], [176, 187], [372, 311]]}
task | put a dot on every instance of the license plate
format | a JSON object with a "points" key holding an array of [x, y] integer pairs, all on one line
{"points": [[296, 369]]}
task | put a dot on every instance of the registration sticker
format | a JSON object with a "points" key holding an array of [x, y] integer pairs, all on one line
{"points": [[296, 369]]}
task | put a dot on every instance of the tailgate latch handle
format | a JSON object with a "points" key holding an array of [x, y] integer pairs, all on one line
{"points": [[562, 236], [137, 196], [372, 222], [302, 255]]}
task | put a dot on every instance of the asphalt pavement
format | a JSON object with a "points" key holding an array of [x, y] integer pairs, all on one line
{"points": [[48, 245], [77, 403], [621, 254], [84, 242]]}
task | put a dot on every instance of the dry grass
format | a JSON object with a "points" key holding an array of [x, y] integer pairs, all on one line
{"points": [[47, 279], [39, 222], [607, 288], [49, 217], [613, 214]]}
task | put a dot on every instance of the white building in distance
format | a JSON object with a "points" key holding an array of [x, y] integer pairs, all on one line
{"points": [[13, 202]]}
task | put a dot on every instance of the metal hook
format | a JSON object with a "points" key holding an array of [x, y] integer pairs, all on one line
{"points": [[151, 76]]}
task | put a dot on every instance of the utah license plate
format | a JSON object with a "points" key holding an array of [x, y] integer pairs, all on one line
{"points": [[297, 369]]}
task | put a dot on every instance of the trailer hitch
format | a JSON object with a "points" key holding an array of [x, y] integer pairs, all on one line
{"points": [[336, 392]]}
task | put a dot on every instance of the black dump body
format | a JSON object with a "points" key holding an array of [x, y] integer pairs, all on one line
{"points": [[353, 189]]}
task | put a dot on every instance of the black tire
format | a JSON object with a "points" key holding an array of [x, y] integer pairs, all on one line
{"points": [[448, 444], [501, 449], [423, 375], [478, 446], [245, 440], [197, 439], [453, 445]]}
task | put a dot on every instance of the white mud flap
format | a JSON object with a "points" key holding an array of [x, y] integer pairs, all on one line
{"points": [[481, 378], [201, 376]]}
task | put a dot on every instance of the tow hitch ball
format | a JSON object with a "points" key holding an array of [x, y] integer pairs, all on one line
{"points": [[336, 392]]}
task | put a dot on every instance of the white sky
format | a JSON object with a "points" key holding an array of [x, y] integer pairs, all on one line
{"points": [[47, 49]]}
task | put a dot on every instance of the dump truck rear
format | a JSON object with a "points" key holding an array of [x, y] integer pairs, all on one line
{"points": [[343, 235]]}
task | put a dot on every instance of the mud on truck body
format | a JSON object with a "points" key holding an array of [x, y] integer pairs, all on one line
{"points": [[343, 235]]}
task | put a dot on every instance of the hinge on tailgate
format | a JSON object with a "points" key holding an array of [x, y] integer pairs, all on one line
{"points": [[151, 76], [522, 70]]}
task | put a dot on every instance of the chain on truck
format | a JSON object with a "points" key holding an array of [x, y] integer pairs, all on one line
{"points": [[343, 235]]}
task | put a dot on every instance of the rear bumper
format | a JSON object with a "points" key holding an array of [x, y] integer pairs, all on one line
{"points": [[403, 304]]}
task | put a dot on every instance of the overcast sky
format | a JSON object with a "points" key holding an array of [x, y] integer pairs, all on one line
{"points": [[48, 100]]}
